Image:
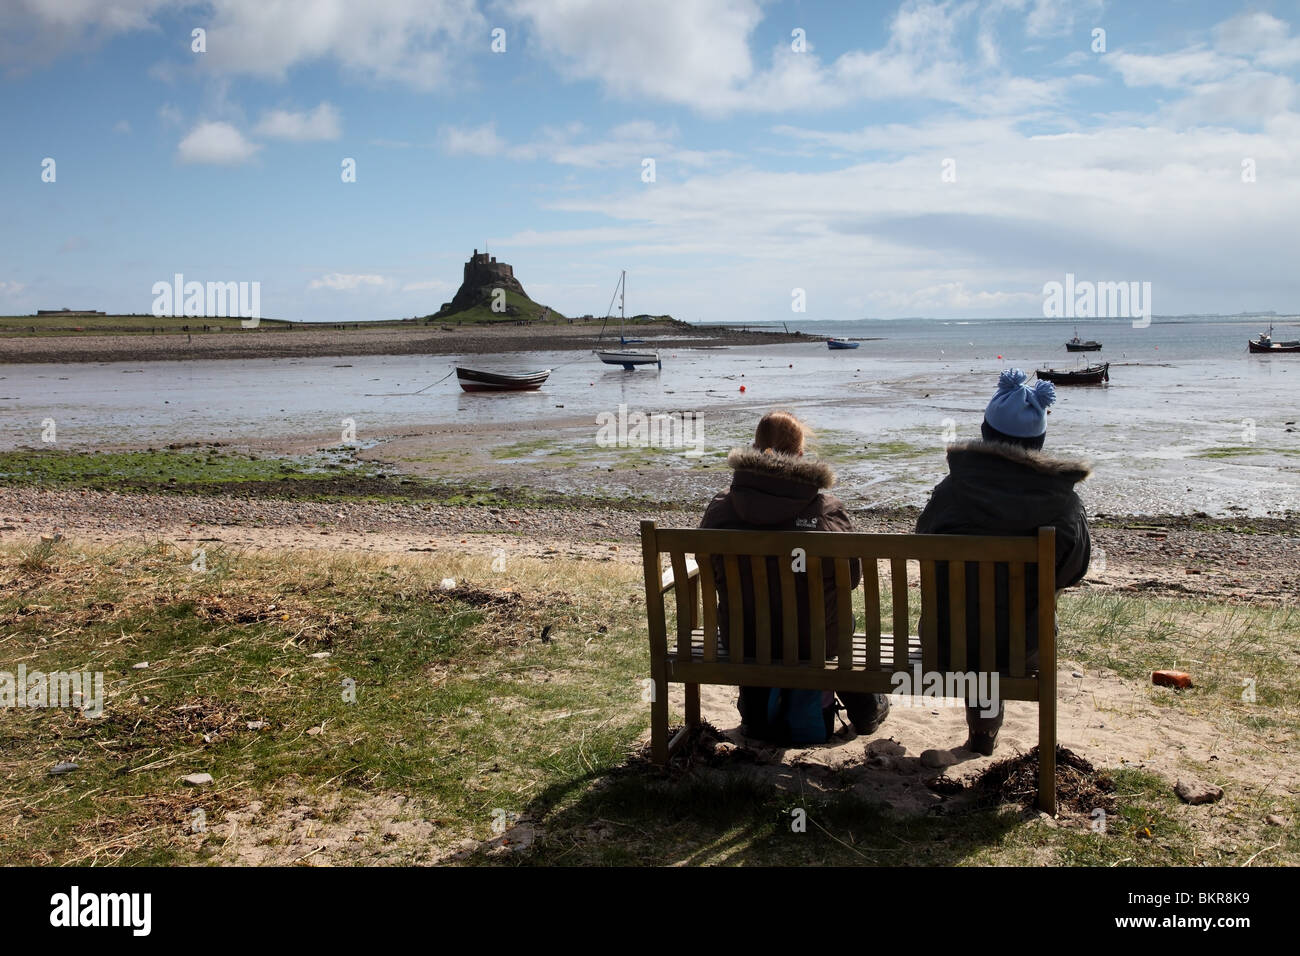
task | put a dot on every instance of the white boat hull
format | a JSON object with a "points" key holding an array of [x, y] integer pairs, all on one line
{"points": [[628, 359]]}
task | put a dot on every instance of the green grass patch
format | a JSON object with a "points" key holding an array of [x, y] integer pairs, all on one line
{"points": [[396, 714]]}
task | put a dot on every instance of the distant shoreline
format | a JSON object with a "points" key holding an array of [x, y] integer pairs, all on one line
{"points": [[303, 342]]}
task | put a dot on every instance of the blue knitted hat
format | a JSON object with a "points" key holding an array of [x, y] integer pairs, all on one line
{"points": [[1017, 408]]}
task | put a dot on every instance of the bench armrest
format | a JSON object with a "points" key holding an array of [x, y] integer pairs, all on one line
{"points": [[692, 571]]}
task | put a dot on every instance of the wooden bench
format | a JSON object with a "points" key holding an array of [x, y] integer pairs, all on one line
{"points": [[868, 655]]}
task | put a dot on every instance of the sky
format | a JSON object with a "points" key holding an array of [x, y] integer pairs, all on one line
{"points": [[862, 160]]}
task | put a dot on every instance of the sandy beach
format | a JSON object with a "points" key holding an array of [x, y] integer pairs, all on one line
{"points": [[303, 341]]}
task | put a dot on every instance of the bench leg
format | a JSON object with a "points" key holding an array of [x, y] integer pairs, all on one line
{"points": [[659, 722], [1047, 746], [692, 705]]}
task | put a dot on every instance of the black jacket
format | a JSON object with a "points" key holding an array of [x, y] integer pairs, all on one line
{"points": [[774, 492], [995, 488]]}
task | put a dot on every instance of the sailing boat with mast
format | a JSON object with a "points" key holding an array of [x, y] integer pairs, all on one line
{"points": [[628, 358]]}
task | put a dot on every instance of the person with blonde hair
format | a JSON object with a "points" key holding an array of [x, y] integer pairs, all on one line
{"points": [[775, 488]]}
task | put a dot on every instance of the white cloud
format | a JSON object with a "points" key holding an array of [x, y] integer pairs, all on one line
{"points": [[322, 123], [698, 55], [344, 282], [170, 115], [671, 51], [429, 285], [1264, 38], [414, 42], [1172, 70], [1057, 18], [625, 145], [889, 237], [472, 141], [10, 288], [217, 143]]}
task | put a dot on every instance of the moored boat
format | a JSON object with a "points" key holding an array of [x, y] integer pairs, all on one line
{"points": [[1265, 344], [841, 344], [1077, 344], [1092, 375], [478, 380], [628, 358]]}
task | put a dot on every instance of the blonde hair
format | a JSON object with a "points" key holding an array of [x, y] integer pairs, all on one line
{"points": [[781, 432]]}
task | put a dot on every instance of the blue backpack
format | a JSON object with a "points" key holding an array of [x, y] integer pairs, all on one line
{"points": [[787, 716]]}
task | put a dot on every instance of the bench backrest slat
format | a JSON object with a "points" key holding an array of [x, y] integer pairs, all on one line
{"points": [[957, 615], [789, 611], [898, 582], [871, 602], [817, 610], [708, 593], [1016, 585], [685, 602], [929, 618], [736, 617], [988, 659], [763, 622], [844, 611]]}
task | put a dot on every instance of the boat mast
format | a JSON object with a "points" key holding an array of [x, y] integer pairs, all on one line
{"points": [[622, 292]]}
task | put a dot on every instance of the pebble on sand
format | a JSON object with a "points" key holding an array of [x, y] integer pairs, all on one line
{"points": [[197, 779], [66, 767], [1197, 792], [937, 759]]}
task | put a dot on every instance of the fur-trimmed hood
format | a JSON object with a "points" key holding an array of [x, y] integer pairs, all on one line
{"points": [[964, 454], [997, 488], [771, 490], [788, 467]]}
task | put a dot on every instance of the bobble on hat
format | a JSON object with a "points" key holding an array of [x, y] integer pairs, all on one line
{"points": [[1018, 408]]}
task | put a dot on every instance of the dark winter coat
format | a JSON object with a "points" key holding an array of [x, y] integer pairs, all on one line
{"points": [[774, 492], [994, 488]]}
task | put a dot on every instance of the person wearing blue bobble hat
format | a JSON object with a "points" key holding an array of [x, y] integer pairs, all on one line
{"points": [[1004, 485]]}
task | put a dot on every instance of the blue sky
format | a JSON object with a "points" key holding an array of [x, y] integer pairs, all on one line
{"points": [[775, 169]]}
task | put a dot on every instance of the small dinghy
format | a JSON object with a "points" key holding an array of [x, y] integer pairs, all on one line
{"points": [[477, 380], [841, 344]]}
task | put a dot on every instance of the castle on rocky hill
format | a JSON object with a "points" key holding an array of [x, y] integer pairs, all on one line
{"points": [[483, 274]]}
